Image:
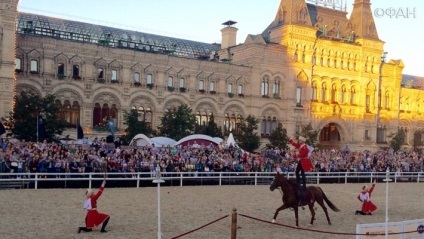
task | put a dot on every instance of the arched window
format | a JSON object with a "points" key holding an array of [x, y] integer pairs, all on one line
{"points": [[276, 87], [61, 70], [314, 92], [324, 93], [343, 95], [387, 100], [334, 94], [353, 96], [264, 86]]}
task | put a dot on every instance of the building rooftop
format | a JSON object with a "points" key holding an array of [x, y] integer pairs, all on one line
{"points": [[111, 37], [415, 82]]}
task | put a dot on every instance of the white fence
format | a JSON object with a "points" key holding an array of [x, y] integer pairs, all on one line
{"points": [[217, 178]]}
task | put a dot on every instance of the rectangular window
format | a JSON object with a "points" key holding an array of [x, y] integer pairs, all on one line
{"points": [[367, 103], [212, 86], [229, 88], [149, 79], [60, 69], [34, 66], [137, 77], [18, 64], [240, 89], [114, 76], [182, 85], [201, 85], [298, 96], [75, 72], [100, 73], [170, 81]]}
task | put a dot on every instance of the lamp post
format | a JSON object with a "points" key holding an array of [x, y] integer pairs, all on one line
{"points": [[380, 79], [387, 180], [158, 181]]}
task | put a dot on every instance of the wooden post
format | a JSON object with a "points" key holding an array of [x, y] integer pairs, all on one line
{"points": [[234, 224]]}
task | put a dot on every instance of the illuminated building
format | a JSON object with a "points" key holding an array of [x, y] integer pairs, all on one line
{"points": [[312, 64]]}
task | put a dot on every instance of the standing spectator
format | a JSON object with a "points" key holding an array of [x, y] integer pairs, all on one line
{"points": [[365, 197]]}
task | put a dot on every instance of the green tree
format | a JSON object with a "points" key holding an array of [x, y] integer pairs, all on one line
{"points": [[310, 134], [397, 140], [178, 122], [26, 110], [278, 137], [248, 138], [134, 126]]}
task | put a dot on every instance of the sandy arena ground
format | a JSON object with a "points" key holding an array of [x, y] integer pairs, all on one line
{"points": [[57, 213]]}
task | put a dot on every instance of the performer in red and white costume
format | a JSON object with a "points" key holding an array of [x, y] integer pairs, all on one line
{"points": [[305, 164], [365, 197], [94, 218]]}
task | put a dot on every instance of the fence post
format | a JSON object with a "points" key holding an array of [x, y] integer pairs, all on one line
{"points": [[256, 178], [220, 178], [89, 180], [318, 173], [138, 179], [181, 179], [346, 177], [234, 224], [36, 181], [418, 177]]}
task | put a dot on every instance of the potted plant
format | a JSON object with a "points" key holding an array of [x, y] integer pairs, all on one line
{"points": [[150, 86], [171, 88], [231, 95], [60, 76], [101, 80], [182, 89]]}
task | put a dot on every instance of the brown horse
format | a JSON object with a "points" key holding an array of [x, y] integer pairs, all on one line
{"points": [[290, 200]]}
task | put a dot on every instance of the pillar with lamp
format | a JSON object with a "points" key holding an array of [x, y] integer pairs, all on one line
{"points": [[380, 129]]}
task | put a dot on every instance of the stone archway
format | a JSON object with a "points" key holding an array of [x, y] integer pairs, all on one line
{"points": [[330, 136]]}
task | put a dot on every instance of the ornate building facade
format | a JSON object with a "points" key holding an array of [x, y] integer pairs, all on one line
{"points": [[312, 64]]}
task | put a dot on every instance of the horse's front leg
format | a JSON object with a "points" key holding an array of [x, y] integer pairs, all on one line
{"points": [[277, 211], [296, 215], [311, 208]]}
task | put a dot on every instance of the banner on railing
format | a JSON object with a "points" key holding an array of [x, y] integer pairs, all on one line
{"points": [[412, 229]]}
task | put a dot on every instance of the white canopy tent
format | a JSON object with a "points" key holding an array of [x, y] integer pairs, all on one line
{"points": [[140, 140], [165, 141]]}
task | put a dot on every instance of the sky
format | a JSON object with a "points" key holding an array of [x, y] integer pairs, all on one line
{"points": [[398, 22]]}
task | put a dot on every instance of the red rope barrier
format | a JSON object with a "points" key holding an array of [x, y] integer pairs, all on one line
{"points": [[217, 220], [313, 230]]}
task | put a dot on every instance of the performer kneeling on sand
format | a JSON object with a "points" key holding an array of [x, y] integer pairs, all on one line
{"points": [[304, 165], [365, 197], [94, 218]]}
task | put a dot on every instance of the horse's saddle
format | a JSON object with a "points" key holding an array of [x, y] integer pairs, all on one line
{"points": [[303, 195]]}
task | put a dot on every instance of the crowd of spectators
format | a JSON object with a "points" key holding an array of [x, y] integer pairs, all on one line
{"points": [[44, 158]]}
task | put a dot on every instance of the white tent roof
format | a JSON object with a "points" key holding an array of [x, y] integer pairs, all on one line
{"points": [[199, 136], [165, 141], [231, 140], [140, 140]]}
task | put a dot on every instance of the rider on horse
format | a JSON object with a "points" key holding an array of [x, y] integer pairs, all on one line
{"points": [[304, 165]]}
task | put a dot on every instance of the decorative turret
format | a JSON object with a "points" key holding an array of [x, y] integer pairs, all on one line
{"points": [[229, 35], [8, 13], [362, 20]]}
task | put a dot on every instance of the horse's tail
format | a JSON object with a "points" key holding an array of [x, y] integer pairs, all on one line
{"points": [[329, 203]]}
